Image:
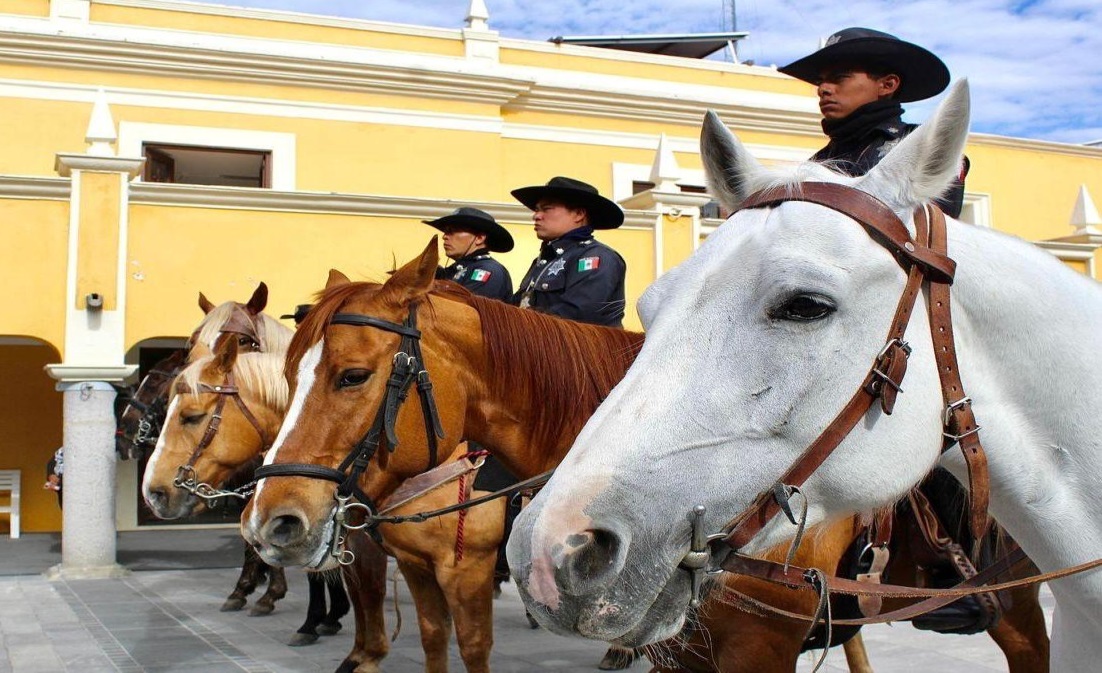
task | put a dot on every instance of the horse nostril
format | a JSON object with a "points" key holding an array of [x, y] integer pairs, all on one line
{"points": [[285, 530], [590, 560], [158, 499]]}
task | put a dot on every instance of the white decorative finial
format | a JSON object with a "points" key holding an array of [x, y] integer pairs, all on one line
{"points": [[101, 128], [665, 172], [478, 15], [1085, 216]]}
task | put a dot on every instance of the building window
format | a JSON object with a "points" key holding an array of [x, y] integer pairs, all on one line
{"points": [[203, 155], [192, 165]]}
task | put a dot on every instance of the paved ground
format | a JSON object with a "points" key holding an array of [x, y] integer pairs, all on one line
{"points": [[165, 618]]}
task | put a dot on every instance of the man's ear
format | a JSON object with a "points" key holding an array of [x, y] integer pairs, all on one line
{"points": [[888, 85]]}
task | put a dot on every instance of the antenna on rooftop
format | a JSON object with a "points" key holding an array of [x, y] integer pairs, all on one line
{"points": [[730, 23]]}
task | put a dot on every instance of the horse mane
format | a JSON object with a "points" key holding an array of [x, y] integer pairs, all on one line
{"points": [[563, 368], [260, 373], [276, 334]]}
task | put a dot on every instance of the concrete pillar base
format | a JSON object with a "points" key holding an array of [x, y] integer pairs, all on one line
{"points": [[107, 572]]}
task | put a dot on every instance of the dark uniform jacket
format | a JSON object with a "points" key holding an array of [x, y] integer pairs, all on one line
{"points": [[861, 140], [578, 278], [481, 274]]}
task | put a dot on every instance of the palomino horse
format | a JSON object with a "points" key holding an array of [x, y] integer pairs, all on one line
{"points": [[753, 345], [140, 426], [514, 380]]}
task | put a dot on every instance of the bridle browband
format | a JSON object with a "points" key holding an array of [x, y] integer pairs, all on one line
{"points": [[408, 367]]}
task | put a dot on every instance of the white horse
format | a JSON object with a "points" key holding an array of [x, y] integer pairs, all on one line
{"points": [[754, 344]]}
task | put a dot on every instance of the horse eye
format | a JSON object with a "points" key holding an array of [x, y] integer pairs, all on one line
{"points": [[804, 308], [351, 378], [192, 419], [248, 343]]}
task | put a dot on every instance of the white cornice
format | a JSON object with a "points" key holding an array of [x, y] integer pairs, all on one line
{"points": [[1047, 146], [67, 373], [369, 205], [211, 56], [65, 164], [24, 187]]}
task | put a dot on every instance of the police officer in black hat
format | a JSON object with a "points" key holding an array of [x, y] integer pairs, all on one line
{"points": [[575, 276], [862, 76], [470, 235]]}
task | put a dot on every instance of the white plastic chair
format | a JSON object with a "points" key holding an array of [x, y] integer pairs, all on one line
{"points": [[9, 482]]}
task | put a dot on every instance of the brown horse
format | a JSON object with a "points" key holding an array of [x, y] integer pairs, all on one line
{"points": [[143, 417], [516, 381]]}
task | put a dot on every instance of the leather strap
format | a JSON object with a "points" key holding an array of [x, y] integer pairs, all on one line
{"points": [[960, 423]]}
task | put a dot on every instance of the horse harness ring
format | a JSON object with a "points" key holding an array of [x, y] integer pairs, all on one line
{"points": [[925, 260], [408, 366]]}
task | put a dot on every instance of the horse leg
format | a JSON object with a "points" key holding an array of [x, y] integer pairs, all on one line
{"points": [[251, 572], [856, 655], [338, 606], [1021, 633], [432, 615], [366, 582], [277, 589], [307, 634], [469, 589]]}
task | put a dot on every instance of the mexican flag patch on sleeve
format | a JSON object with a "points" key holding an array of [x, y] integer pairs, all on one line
{"points": [[480, 275], [588, 263]]}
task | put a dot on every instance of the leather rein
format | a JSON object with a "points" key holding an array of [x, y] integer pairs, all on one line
{"points": [[926, 262]]}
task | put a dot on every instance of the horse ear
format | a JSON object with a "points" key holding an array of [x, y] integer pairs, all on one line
{"points": [[205, 303], [414, 280], [728, 165], [225, 352], [923, 165], [259, 300], [336, 278]]}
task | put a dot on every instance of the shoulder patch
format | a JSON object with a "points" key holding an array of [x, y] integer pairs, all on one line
{"points": [[589, 263], [480, 275]]}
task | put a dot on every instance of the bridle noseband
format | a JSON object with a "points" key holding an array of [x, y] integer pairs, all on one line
{"points": [[408, 367]]}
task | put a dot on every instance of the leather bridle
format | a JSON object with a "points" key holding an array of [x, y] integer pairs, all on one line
{"points": [[925, 260], [408, 367], [185, 475]]}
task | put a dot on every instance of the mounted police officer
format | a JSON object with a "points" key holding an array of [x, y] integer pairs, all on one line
{"points": [[470, 235], [862, 76], [575, 276]]}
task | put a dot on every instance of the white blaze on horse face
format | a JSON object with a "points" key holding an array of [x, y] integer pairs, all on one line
{"points": [[151, 466], [307, 374]]}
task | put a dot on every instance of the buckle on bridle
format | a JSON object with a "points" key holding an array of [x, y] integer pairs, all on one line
{"points": [[950, 408]]}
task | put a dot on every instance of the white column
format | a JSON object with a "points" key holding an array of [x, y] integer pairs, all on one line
{"points": [[88, 515]]}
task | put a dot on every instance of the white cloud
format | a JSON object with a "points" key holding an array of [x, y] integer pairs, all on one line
{"points": [[1035, 72]]}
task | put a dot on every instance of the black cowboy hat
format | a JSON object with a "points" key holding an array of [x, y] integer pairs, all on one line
{"points": [[300, 313], [478, 221], [921, 74], [603, 214]]}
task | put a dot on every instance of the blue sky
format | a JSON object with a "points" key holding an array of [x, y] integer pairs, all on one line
{"points": [[1035, 66]]}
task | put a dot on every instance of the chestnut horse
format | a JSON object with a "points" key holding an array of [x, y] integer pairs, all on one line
{"points": [[520, 383], [143, 417]]}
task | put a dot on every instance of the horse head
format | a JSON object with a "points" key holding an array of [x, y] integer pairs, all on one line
{"points": [[224, 409], [357, 402], [753, 345]]}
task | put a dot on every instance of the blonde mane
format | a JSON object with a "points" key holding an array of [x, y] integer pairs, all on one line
{"points": [[259, 373], [276, 335]]}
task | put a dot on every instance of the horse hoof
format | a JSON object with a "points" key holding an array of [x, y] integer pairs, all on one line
{"points": [[329, 629], [261, 609], [232, 605], [617, 659], [300, 639], [532, 623]]}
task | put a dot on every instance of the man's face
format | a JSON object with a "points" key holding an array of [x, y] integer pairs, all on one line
{"points": [[843, 89], [459, 243], [553, 219]]}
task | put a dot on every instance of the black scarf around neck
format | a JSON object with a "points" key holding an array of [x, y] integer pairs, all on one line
{"points": [[857, 124]]}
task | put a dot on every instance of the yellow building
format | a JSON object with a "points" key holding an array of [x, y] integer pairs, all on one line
{"points": [[155, 149]]}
